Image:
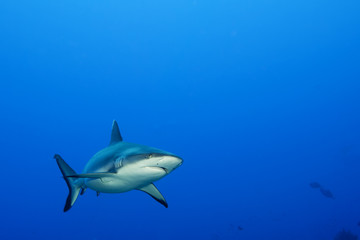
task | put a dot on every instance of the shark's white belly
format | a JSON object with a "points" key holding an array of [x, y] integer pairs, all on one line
{"points": [[125, 179]]}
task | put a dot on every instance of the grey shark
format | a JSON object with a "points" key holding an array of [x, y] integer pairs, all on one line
{"points": [[120, 167]]}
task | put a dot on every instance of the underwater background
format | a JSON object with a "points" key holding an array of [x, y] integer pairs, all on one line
{"points": [[260, 98]]}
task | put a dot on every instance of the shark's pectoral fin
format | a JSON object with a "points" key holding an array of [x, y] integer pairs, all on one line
{"points": [[91, 175], [154, 193]]}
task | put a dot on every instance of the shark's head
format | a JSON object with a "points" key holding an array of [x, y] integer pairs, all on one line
{"points": [[164, 161]]}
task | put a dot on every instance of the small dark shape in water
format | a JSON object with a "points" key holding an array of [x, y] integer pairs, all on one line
{"points": [[324, 191], [240, 228], [216, 237], [345, 235], [327, 193], [359, 224], [315, 185]]}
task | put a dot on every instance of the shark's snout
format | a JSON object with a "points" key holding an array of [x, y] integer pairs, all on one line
{"points": [[169, 163]]}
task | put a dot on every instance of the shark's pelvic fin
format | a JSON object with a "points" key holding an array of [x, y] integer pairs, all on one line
{"points": [[74, 185], [115, 134], [82, 191], [154, 193]]}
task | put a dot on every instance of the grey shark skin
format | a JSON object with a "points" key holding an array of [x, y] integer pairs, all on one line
{"points": [[118, 168]]}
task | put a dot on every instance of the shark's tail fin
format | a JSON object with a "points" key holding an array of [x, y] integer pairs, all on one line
{"points": [[73, 184]]}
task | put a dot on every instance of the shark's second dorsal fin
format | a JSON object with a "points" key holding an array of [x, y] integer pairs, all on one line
{"points": [[115, 134]]}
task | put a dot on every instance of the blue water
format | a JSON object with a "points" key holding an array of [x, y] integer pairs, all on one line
{"points": [[260, 98]]}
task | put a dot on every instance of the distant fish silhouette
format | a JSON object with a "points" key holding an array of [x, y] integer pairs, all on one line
{"points": [[323, 191], [315, 185], [345, 235], [240, 228], [327, 193]]}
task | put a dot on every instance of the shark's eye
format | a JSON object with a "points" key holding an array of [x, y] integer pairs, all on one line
{"points": [[149, 156]]}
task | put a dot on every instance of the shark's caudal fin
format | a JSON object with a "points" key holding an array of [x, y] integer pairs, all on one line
{"points": [[73, 184]]}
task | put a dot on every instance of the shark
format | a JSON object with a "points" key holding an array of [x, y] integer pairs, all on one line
{"points": [[120, 167]]}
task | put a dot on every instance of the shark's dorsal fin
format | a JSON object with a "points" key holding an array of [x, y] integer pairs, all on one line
{"points": [[154, 193], [115, 134]]}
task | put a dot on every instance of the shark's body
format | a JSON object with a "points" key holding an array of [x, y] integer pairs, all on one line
{"points": [[120, 167]]}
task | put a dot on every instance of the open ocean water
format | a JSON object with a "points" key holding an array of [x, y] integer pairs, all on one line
{"points": [[260, 98]]}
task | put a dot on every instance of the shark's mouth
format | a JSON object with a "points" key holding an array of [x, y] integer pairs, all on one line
{"points": [[162, 168], [165, 170]]}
